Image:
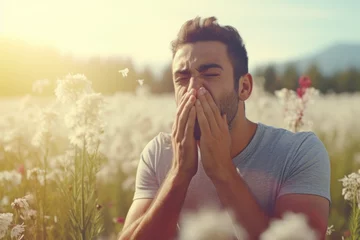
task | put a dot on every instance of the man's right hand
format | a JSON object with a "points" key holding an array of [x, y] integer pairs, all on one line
{"points": [[185, 153]]}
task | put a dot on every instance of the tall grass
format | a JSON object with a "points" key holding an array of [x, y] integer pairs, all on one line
{"points": [[67, 164]]}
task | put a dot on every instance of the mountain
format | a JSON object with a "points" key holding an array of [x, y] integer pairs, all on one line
{"points": [[335, 58]]}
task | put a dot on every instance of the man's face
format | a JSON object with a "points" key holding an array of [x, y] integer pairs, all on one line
{"points": [[206, 64]]}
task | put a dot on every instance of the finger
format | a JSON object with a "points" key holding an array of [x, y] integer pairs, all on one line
{"points": [[225, 123], [214, 108], [184, 116], [214, 126], [203, 121], [190, 124], [179, 110]]}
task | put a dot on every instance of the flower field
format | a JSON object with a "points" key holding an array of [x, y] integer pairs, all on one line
{"points": [[67, 163]]}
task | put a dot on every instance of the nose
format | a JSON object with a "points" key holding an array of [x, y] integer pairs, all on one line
{"points": [[195, 83]]}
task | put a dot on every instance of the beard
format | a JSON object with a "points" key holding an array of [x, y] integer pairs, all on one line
{"points": [[228, 104]]}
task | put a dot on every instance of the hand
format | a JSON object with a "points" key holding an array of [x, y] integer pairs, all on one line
{"points": [[185, 160], [215, 141]]}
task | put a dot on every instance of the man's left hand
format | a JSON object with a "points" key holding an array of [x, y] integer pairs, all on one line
{"points": [[215, 140]]}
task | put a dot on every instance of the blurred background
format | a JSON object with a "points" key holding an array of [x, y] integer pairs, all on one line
{"points": [[123, 48], [285, 39]]}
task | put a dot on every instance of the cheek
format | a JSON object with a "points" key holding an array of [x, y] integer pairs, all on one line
{"points": [[179, 95]]}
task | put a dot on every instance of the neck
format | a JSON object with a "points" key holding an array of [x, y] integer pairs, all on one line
{"points": [[242, 132]]}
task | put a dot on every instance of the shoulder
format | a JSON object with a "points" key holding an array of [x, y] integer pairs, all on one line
{"points": [[307, 143], [157, 149], [294, 148], [161, 141], [306, 151], [293, 141]]}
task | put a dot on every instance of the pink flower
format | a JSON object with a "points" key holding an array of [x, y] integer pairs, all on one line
{"points": [[21, 169], [304, 83], [118, 220]]}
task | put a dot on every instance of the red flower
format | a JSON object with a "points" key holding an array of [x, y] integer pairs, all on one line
{"points": [[301, 92], [118, 220], [21, 169], [304, 82]]}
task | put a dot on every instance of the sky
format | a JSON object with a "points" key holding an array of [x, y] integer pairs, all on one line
{"points": [[272, 30]]}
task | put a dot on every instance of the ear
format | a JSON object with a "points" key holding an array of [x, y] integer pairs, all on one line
{"points": [[245, 86]]}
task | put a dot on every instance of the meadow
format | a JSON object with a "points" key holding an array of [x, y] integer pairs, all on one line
{"points": [[68, 162]]}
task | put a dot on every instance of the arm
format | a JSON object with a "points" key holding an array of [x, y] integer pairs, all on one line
{"points": [[231, 191], [305, 190], [255, 221], [160, 220]]}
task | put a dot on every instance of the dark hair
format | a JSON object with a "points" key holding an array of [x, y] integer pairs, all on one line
{"points": [[208, 29]]}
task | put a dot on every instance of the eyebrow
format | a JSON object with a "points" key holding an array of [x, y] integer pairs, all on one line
{"points": [[201, 68], [205, 67]]}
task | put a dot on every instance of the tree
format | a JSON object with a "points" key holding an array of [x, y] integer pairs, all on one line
{"points": [[270, 84], [317, 79], [290, 77]]}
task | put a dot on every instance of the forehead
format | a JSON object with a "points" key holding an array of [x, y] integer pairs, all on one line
{"points": [[191, 55]]}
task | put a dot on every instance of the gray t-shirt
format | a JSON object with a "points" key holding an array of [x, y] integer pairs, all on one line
{"points": [[275, 162]]}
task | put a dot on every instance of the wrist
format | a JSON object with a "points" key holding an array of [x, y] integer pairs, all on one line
{"points": [[225, 177], [178, 177]]}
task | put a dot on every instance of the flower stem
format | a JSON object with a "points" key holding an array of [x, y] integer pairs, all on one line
{"points": [[354, 220], [83, 230], [44, 194]]}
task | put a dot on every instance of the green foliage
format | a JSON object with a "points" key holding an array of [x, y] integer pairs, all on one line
{"points": [[345, 81]]}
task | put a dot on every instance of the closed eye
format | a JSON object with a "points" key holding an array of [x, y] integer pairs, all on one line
{"points": [[211, 75], [181, 78]]}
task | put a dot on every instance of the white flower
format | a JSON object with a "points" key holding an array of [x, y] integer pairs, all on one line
{"points": [[292, 226], [86, 122], [4, 201], [65, 162], [13, 177], [295, 108], [11, 139], [37, 174], [30, 214], [16, 131], [20, 204], [210, 223], [311, 94], [39, 85], [351, 187], [283, 95], [30, 198], [17, 231], [124, 72], [329, 230], [141, 81], [70, 89], [46, 123], [5, 221]]}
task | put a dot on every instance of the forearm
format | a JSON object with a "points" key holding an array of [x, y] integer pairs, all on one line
{"points": [[233, 190], [160, 221], [129, 230]]}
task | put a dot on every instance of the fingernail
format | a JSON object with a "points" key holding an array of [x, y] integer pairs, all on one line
{"points": [[202, 91]]}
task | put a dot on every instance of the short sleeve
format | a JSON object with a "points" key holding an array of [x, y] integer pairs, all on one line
{"points": [[309, 168], [146, 184]]}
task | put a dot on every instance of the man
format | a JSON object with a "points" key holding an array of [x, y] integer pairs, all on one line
{"points": [[217, 156]]}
